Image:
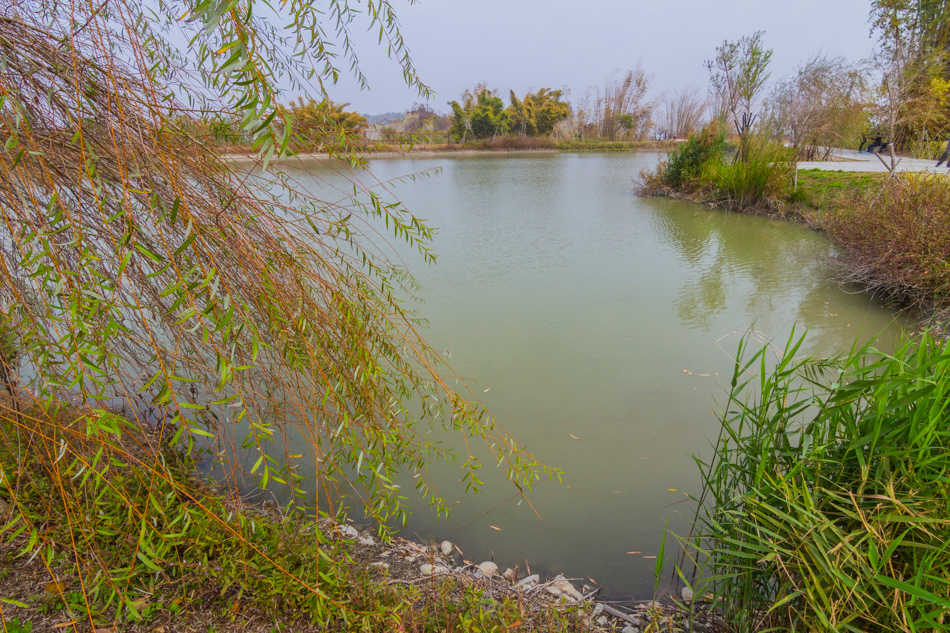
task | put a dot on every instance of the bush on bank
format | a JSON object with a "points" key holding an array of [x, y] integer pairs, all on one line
{"points": [[896, 236], [703, 169]]}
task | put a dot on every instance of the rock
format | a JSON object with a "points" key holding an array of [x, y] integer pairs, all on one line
{"points": [[348, 531], [687, 594], [367, 541], [602, 620], [488, 568], [433, 570], [565, 587], [554, 591], [510, 575], [629, 629], [530, 581], [446, 548], [380, 565], [598, 609]]}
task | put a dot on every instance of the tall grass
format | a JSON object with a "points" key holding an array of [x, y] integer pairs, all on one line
{"points": [[762, 179], [828, 499], [700, 169]]}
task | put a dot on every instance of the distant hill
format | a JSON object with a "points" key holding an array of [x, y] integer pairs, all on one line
{"points": [[388, 117]]}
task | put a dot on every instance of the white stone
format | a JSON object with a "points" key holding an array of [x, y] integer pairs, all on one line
{"points": [[380, 564], [553, 590], [602, 620], [446, 548], [630, 629], [367, 541], [348, 531], [433, 570], [687, 594], [510, 575], [528, 582], [488, 568], [598, 609], [569, 590]]}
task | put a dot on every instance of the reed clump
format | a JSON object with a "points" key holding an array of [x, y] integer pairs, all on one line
{"points": [[826, 504]]}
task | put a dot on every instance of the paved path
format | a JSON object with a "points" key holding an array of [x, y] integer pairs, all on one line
{"points": [[851, 160]]}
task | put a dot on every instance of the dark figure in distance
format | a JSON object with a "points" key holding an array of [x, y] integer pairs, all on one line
{"points": [[945, 156], [878, 144]]}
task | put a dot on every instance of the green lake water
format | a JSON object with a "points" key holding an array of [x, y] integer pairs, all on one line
{"points": [[599, 327]]}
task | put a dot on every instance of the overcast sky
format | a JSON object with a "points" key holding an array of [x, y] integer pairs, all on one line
{"points": [[528, 44]]}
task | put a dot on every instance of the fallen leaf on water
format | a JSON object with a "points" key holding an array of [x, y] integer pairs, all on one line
{"points": [[686, 371], [616, 492], [568, 486], [672, 489], [706, 375], [649, 556], [487, 390], [574, 436], [592, 580], [633, 552], [495, 528]]}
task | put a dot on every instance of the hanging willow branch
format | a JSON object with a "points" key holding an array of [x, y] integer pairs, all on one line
{"points": [[231, 310]]}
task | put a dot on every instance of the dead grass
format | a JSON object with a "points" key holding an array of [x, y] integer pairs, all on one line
{"points": [[896, 238]]}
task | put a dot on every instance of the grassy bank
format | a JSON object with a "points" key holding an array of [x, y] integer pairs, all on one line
{"points": [[894, 231], [825, 506], [497, 144], [118, 532]]}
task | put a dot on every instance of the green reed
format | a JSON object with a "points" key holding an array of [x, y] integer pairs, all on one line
{"points": [[826, 504]]}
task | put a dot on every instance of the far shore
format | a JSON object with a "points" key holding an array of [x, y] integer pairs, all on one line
{"points": [[443, 149]]}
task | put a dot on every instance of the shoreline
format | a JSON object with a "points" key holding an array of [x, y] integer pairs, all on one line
{"points": [[241, 156]]}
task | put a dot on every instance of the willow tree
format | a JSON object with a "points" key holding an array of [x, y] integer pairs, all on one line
{"points": [[225, 310]]}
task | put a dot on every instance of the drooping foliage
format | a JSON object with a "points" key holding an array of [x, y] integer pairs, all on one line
{"points": [[240, 317], [316, 121]]}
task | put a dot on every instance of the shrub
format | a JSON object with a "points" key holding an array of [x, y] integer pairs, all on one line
{"points": [[686, 165], [827, 495], [897, 238]]}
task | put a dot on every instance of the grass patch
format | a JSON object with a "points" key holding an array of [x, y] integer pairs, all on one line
{"points": [[827, 499], [820, 189]]}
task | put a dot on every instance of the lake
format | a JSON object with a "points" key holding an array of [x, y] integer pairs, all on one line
{"points": [[599, 328]]}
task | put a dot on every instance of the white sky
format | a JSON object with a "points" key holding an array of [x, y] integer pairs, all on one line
{"points": [[529, 44]]}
